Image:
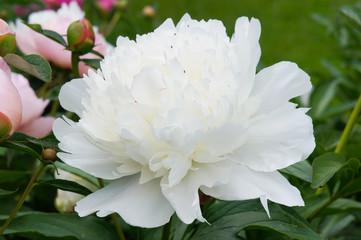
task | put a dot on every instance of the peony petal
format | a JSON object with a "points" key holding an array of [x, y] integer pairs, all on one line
{"points": [[38, 128], [10, 103], [184, 196], [277, 140], [279, 83], [32, 106], [82, 154], [71, 95], [140, 205]]}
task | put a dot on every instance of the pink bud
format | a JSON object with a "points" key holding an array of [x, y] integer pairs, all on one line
{"points": [[7, 39], [81, 36], [59, 2], [10, 103]]}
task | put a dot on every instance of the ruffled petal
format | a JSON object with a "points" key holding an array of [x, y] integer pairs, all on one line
{"points": [[71, 95], [140, 205]]}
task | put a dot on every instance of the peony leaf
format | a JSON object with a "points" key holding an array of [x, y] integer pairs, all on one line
{"points": [[352, 13], [302, 170], [228, 218], [4, 193], [32, 64], [67, 186], [60, 226], [324, 167], [77, 172], [10, 175], [48, 33], [94, 63]]}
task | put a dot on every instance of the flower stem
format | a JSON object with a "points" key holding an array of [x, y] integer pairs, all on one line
{"points": [[114, 216], [166, 230], [23, 196], [117, 15], [349, 126], [75, 64]]}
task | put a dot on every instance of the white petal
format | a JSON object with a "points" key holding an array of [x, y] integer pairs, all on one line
{"points": [[277, 140], [184, 196], [82, 154], [71, 95], [140, 205], [245, 183], [279, 83]]}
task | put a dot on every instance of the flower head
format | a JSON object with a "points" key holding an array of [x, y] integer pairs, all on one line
{"points": [[182, 110], [20, 107], [31, 42]]}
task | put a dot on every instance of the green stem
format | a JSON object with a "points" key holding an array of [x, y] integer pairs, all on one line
{"points": [[55, 108], [113, 22], [114, 216], [75, 64], [166, 230], [349, 126], [23, 196]]}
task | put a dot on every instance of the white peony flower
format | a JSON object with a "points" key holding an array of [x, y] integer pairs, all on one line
{"points": [[181, 110]]}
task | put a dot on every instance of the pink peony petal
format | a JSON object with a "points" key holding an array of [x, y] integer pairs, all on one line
{"points": [[39, 127]]}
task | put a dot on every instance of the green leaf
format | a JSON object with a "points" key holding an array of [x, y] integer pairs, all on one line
{"points": [[77, 172], [321, 97], [46, 142], [9, 175], [20, 146], [352, 13], [94, 63], [32, 64], [328, 138], [302, 170], [48, 33], [61, 226], [67, 186], [228, 218], [4, 193], [324, 167]]}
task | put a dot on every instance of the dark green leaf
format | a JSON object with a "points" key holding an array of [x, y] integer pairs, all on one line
{"points": [[48, 33], [321, 97], [46, 142], [228, 218], [32, 64], [94, 63], [302, 170], [324, 167], [68, 186], [328, 138], [61, 226], [20, 146], [4, 193], [9, 175]]}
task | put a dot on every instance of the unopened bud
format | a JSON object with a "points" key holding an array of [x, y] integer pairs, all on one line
{"points": [[81, 36], [5, 126], [48, 155], [7, 39], [148, 11], [122, 5]]}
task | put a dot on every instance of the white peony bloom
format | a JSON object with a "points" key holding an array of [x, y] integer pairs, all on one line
{"points": [[181, 110]]}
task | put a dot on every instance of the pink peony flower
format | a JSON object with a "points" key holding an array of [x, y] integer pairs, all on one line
{"points": [[107, 5], [31, 42], [21, 106], [60, 2]]}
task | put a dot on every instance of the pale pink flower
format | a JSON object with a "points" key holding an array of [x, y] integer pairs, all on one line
{"points": [[31, 42], [59, 2], [107, 5], [21, 106]]}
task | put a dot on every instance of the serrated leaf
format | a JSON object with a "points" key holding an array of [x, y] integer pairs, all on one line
{"points": [[48, 33], [324, 167], [302, 170], [67, 186], [61, 226], [32, 64], [228, 218]]}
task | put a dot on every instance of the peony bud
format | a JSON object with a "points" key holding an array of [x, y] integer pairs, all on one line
{"points": [[122, 5], [7, 39], [81, 36], [148, 11], [48, 155], [5, 126]]}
